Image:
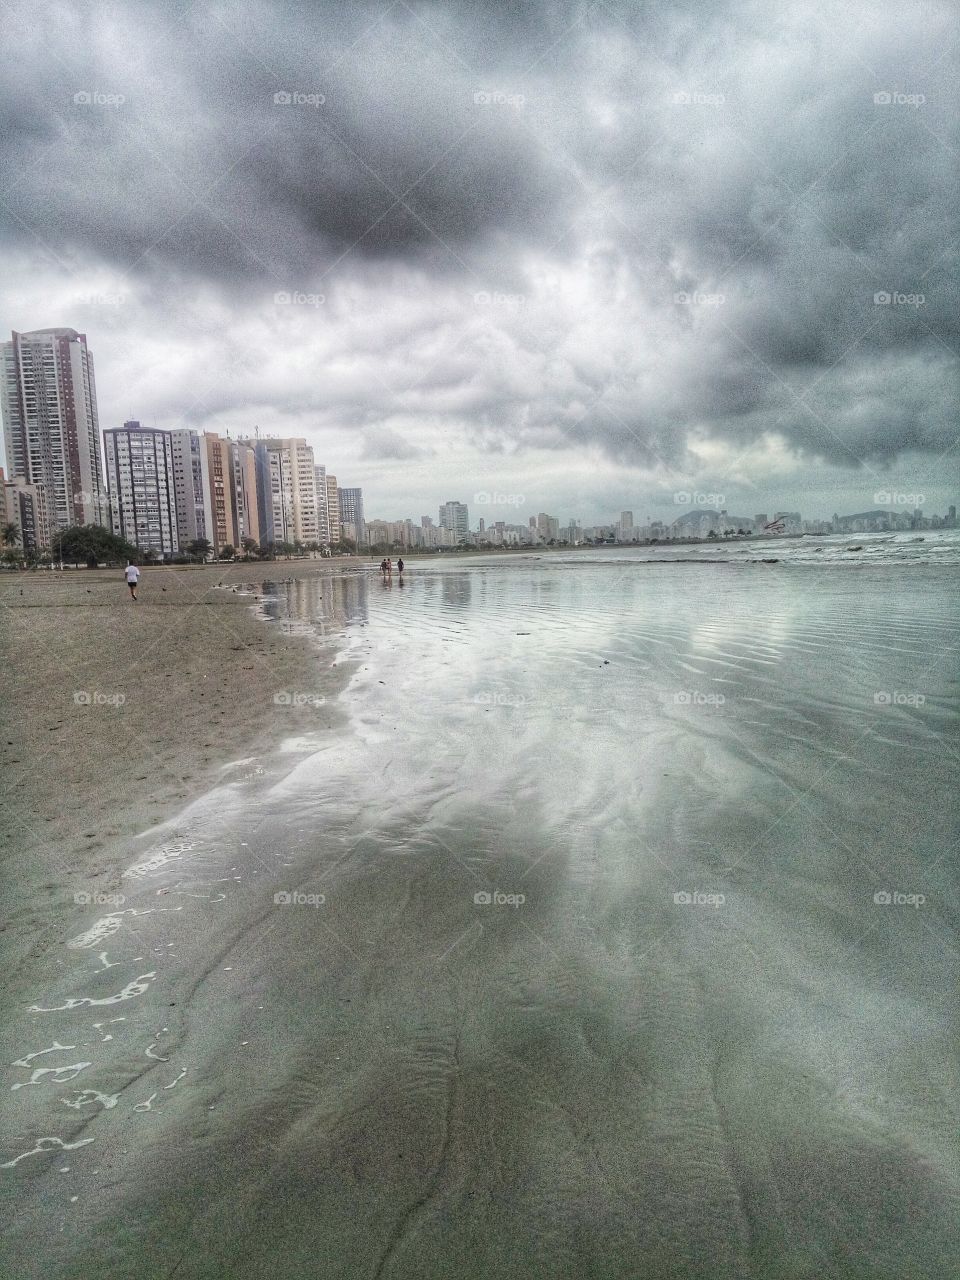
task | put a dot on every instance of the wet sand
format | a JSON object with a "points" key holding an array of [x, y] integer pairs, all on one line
{"points": [[559, 952]]}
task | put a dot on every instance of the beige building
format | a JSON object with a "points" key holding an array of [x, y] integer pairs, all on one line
{"points": [[24, 506], [246, 506], [286, 490], [219, 468]]}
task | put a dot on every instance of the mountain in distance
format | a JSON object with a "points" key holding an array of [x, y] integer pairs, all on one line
{"points": [[696, 514]]}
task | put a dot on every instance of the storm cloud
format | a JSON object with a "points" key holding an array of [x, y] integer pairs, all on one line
{"points": [[672, 238]]}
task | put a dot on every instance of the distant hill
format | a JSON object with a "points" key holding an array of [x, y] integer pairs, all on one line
{"points": [[696, 514]]}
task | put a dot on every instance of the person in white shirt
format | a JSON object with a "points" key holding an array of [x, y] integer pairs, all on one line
{"points": [[132, 575]]}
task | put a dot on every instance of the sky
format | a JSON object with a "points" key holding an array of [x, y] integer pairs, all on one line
{"points": [[559, 257]]}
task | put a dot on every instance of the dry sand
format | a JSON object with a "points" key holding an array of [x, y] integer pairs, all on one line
{"points": [[115, 714]]}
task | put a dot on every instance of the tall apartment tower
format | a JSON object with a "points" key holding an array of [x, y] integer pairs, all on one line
{"points": [[246, 503], [454, 517], [351, 514], [333, 509], [286, 490], [140, 483], [219, 468], [49, 403], [323, 520], [191, 484]]}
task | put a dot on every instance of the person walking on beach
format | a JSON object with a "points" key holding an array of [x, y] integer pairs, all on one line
{"points": [[400, 565], [132, 575]]}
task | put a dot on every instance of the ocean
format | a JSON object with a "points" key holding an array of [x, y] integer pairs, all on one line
{"points": [[612, 932]]}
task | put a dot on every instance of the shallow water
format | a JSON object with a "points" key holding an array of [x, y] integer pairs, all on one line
{"points": [[616, 936]]}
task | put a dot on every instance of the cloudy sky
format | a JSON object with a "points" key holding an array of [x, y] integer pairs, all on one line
{"points": [[580, 256]]}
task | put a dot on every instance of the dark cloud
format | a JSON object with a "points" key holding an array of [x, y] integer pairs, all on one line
{"points": [[547, 225]]}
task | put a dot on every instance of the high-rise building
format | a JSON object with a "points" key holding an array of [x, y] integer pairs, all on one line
{"points": [[454, 517], [626, 519], [24, 506], [286, 490], [49, 403], [246, 503], [140, 483], [333, 509], [219, 473], [191, 484], [351, 513], [323, 521]]}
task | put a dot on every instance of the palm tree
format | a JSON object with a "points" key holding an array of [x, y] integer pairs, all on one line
{"points": [[10, 533]]}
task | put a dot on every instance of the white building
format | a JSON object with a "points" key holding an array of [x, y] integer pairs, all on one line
{"points": [[140, 480]]}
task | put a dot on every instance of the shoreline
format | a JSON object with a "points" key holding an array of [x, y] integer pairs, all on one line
{"points": [[119, 715]]}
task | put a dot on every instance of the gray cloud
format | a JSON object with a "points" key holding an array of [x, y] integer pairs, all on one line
{"points": [[562, 228]]}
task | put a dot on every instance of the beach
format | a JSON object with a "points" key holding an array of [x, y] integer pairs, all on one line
{"points": [[570, 915]]}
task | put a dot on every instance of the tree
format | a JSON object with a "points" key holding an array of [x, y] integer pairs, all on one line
{"points": [[227, 552], [10, 533], [90, 543], [199, 548], [250, 546]]}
